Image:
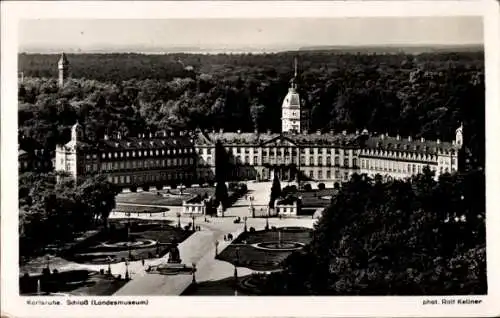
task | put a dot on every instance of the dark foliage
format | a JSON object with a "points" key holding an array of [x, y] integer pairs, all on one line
{"points": [[420, 95], [414, 237]]}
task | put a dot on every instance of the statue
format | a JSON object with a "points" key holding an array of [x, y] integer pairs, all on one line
{"points": [[174, 255]]}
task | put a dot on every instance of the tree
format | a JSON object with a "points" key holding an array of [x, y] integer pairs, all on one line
{"points": [[275, 190], [98, 196], [370, 221], [221, 194]]}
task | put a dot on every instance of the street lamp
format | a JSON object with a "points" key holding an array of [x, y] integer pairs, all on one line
{"points": [[216, 248], [237, 256], [193, 272], [178, 220], [47, 258], [109, 265], [194, 228], [127, 276]]}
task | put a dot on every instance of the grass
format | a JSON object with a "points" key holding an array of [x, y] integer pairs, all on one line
{"points": [[138, 209], [95, 284], [173, 198], [313, 199], [157, 230], [257, 259]]}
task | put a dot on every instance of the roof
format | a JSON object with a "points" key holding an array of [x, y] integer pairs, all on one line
{"points": [[146, 143], [422, 146], [260, 139]]}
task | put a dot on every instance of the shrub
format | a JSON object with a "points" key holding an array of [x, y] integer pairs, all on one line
{"points": [[252, 229], [321, 186], [159, 186], [145, 188], [307, 187]]}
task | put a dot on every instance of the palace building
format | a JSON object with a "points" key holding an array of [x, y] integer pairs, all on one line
{"points": [[168, 158]]}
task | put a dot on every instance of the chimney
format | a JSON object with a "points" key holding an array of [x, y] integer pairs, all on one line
{"points": [[150, 135], [387, 134], [409, 138], [453, 142], [382, 136], [422, 139], [269, 131], [256, 131], [438, 141], [221, 130], [344, 132], [119, 135], [106, 137], [128, 144], [175, 141], [357, 132], [239, 131], [398, 137], [318, 132], [331, 131], [164, 133]]}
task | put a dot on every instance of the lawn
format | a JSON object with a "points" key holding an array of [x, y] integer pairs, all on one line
{"points": [[316, 198], [140, 230], [163, 197], [138, 209], [74, 282], [258, 259]]}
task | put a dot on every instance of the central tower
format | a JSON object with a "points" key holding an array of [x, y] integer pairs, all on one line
{"points": [[290, 109]]}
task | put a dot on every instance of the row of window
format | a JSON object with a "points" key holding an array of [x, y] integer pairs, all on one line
{"points": [[273, 151], [400, 167], [141, 164], [150, 178], [141, 153], [294, 159]]}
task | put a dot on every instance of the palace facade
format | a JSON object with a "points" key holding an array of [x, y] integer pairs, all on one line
{"points": [[168, 158]]}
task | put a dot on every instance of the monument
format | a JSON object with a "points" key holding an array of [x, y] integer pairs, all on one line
{"points": [[174, 255]]}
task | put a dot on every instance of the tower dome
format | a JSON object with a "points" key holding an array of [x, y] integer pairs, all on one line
{"points": [[290, 109], [76, 132]]}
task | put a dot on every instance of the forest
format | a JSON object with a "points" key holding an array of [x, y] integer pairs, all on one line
{"points": [[411, 237], [426, 94]]}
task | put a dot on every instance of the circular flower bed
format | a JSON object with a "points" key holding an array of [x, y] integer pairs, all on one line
{"points": [[279, 246], [129, 244]]}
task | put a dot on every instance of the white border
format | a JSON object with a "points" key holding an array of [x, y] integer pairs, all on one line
{"points": [[13, 305]]}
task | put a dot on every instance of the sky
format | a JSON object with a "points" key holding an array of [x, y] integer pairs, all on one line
{"points": [[239, 34]]}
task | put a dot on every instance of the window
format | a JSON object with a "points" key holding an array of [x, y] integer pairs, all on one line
{"points": [[328, 174], [355, 162], [337, 160], [346, 162], [311, 174], [255, 160], [320, 174], [328, 160], [311, 161], [247, 159], [320, 161]]}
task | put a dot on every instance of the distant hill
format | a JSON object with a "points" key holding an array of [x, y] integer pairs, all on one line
{"points": [[394, 49]]}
